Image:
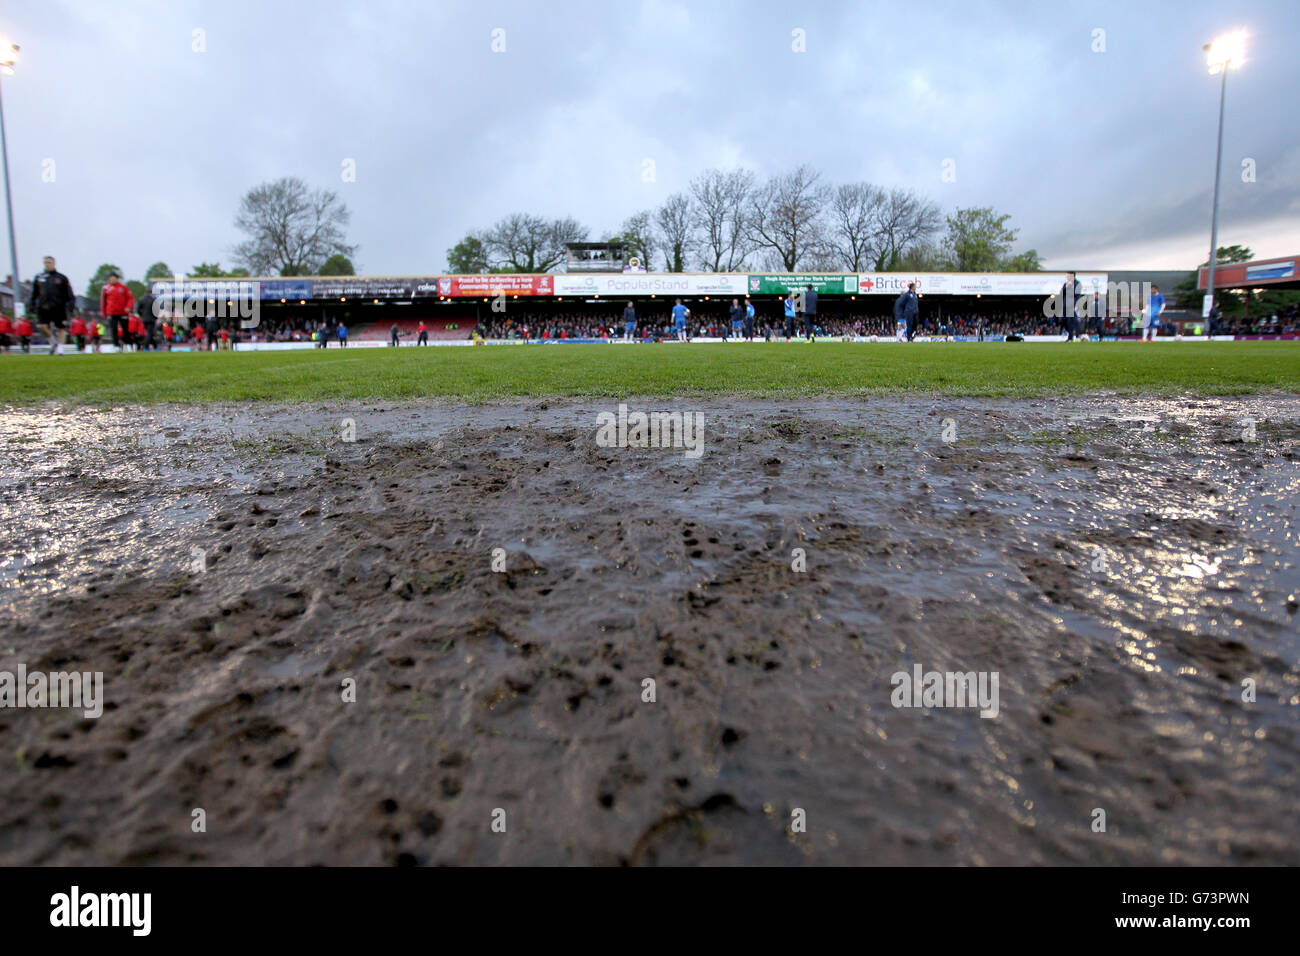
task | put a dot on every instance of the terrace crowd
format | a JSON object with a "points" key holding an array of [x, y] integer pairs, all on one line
{"points": [[707, 320]]}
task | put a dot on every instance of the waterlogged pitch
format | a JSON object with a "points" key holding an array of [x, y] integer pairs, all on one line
{"points": [[854, 629]]}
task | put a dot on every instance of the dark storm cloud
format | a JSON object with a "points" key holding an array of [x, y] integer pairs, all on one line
{"points": [[1104, 159]]}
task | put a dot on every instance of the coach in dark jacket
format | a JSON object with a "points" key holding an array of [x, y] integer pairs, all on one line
{"points": [[906, 309], [52, 300], [809, 312], [1071, 293], [1212, 321], [144, 309]]}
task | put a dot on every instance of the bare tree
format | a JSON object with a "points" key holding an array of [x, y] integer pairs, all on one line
{"points": [[721, 218], [514, 243], [562, 231], [904, 220], [785, 215], [291, 228], [675, 222], [855, 211], [821, 256], [525, 243]]}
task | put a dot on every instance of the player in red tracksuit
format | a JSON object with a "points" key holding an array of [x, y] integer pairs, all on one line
{"points": [[116, 305], [135, 330], [422, 333], [6, 330], [23, 329], [78, 332]]}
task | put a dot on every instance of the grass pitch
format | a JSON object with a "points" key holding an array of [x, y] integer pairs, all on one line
{"points": [[773, 369]]}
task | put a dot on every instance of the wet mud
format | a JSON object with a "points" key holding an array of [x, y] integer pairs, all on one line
{"points": [[1122, 564]]}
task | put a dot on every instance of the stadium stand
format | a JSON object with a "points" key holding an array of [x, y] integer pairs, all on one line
{"points": [[439, 330]]}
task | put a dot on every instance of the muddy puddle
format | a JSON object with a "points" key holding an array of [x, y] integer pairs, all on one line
{"points": [[497, 588]]}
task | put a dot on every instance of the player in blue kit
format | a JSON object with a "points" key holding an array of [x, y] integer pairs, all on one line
{"points": [[1151, 328], [789, 316], [680, 314]]}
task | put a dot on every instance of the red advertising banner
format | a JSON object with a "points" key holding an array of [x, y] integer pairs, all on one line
{"points": [[495, 285]]}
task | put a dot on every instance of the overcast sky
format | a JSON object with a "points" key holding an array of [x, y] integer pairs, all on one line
{"points": [[1105, 160]]}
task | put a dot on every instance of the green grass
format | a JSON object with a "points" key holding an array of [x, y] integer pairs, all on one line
{"points": [[475, 374]]}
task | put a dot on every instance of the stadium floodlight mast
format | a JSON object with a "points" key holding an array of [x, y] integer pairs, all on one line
{"points": [[1225, 51], [8, 57]]}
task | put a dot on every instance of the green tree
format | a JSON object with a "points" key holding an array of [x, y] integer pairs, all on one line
{"points": [[337, 265], [923, 257], [137, 288], [1027, 261], [468, 257], [978, 239], [98, 282], [1272, 301], [159, 270], [213, 270], [1189, 297], [1232, 254]]}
